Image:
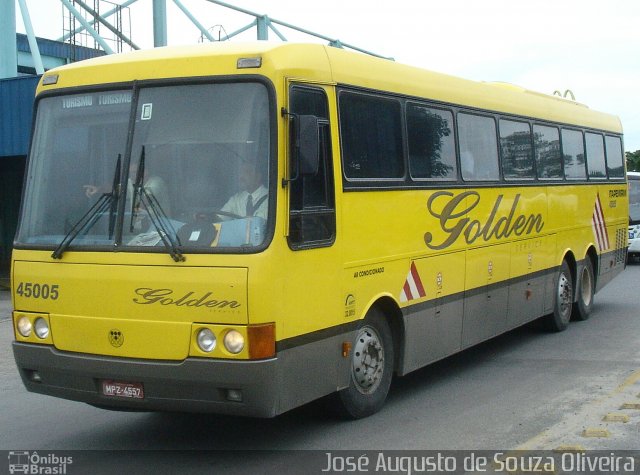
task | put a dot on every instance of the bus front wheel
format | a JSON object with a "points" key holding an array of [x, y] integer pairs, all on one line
{"points": [[563, 300], [371, 368]]}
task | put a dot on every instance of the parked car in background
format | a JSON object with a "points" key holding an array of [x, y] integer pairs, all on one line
{"points": [[634, 215]]}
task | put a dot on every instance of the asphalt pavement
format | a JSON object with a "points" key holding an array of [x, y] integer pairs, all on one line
{"points": [[5, 304]]}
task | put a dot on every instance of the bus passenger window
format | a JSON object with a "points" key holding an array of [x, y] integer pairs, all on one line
{"points": [[515, 147], [477, 137], [573, 154], [615, 163], [432, 150], [371, 131], [595, 156], [546, 144]]}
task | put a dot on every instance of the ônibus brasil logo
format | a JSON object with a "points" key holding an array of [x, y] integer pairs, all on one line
{"points": [[24, 461]]}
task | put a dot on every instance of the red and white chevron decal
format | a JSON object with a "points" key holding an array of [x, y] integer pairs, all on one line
{"points": [[412, 288], [598, 225]]}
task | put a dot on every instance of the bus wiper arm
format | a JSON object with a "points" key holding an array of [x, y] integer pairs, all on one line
{"points": [[158, 217], [137, 189], [107, 201], [161, 222]]}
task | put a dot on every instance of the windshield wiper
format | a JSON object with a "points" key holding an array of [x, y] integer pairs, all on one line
{"points": [[158, 217], [107, 201]]}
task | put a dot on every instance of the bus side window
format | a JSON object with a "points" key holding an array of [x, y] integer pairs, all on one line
{"points": [[312, 220], [595, 156], [478, 147], [573, 155], [546, 143], [516, 150], [615, 162]]}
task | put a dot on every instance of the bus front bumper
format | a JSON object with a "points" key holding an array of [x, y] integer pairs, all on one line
{"points": [[248, 388]]}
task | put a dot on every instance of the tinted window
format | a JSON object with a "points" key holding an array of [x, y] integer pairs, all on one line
{"points": [[595, 156], [478, 147], [312, 220], [546, 145], [573, 154], [432, 150], [515, 147], [371, 131], [615, 164]]}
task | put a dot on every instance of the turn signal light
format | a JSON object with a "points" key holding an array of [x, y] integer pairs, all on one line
{"points": [[262, 341]]}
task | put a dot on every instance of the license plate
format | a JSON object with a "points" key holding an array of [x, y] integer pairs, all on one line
{"points": [[122, 389]]}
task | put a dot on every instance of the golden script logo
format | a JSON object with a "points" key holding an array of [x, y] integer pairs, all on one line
{"points": [[455, 222]]}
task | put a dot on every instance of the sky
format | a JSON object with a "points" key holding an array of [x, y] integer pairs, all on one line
{"points": [[591, 47]]}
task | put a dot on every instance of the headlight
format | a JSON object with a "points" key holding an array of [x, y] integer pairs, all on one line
{"points": [[234, 341], [24, 326], [41, 328], [206, 340]]}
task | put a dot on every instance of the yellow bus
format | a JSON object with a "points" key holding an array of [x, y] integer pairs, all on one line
{"points": [[244, 228]]}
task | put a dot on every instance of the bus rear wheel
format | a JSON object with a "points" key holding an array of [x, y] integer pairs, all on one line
{"points": [[586, 290], [563, 300], [371, 368]]}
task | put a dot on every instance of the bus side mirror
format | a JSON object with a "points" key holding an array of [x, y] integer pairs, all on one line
{"points": [[308, 141], [305, 147]]}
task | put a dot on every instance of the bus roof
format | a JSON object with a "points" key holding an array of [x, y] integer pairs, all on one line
{"points": [[333, 65]]}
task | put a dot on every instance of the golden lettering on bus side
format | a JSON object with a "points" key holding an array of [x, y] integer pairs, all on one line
{"points": [[455, 222]]}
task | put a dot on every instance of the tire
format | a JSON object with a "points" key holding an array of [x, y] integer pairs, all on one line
{"points": [[563, 300], [372, 359], [585, 288]]}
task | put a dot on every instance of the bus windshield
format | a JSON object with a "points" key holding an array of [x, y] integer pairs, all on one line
{"points": [[166, 166]]}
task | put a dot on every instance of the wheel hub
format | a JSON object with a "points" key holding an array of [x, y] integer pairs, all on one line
{"points": [[565, 293], [368, 361]]}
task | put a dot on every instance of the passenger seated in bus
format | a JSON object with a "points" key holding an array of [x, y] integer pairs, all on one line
{"points": [[251, 200]]}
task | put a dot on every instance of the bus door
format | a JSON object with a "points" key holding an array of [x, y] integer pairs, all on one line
{"points": [[314, 262]]}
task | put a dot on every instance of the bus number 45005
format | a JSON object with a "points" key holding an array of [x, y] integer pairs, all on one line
{"points": [[38, 291]]}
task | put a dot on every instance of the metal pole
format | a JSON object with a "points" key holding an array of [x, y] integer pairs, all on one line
{"points": [[267, 22], [106, 15], [111, 28], [8, 42], [88, 27], [278, 34], [241, 30], [262, 23], [193, 19], [159, 23], [33, 43]]}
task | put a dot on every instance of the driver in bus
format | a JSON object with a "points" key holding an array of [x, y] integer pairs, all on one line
{"points": [[251, 200]]}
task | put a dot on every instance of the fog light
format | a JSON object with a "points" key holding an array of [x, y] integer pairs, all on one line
{"points": [[206, 340], [234, 395], [41, 328], [24, 326], [34, 376], [234, 341]]}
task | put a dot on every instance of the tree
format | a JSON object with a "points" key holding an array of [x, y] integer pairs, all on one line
{"points": [[633, 161]]}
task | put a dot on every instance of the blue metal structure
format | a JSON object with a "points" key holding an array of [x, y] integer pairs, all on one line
{"points": [[53, 53], [16, 110]]}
